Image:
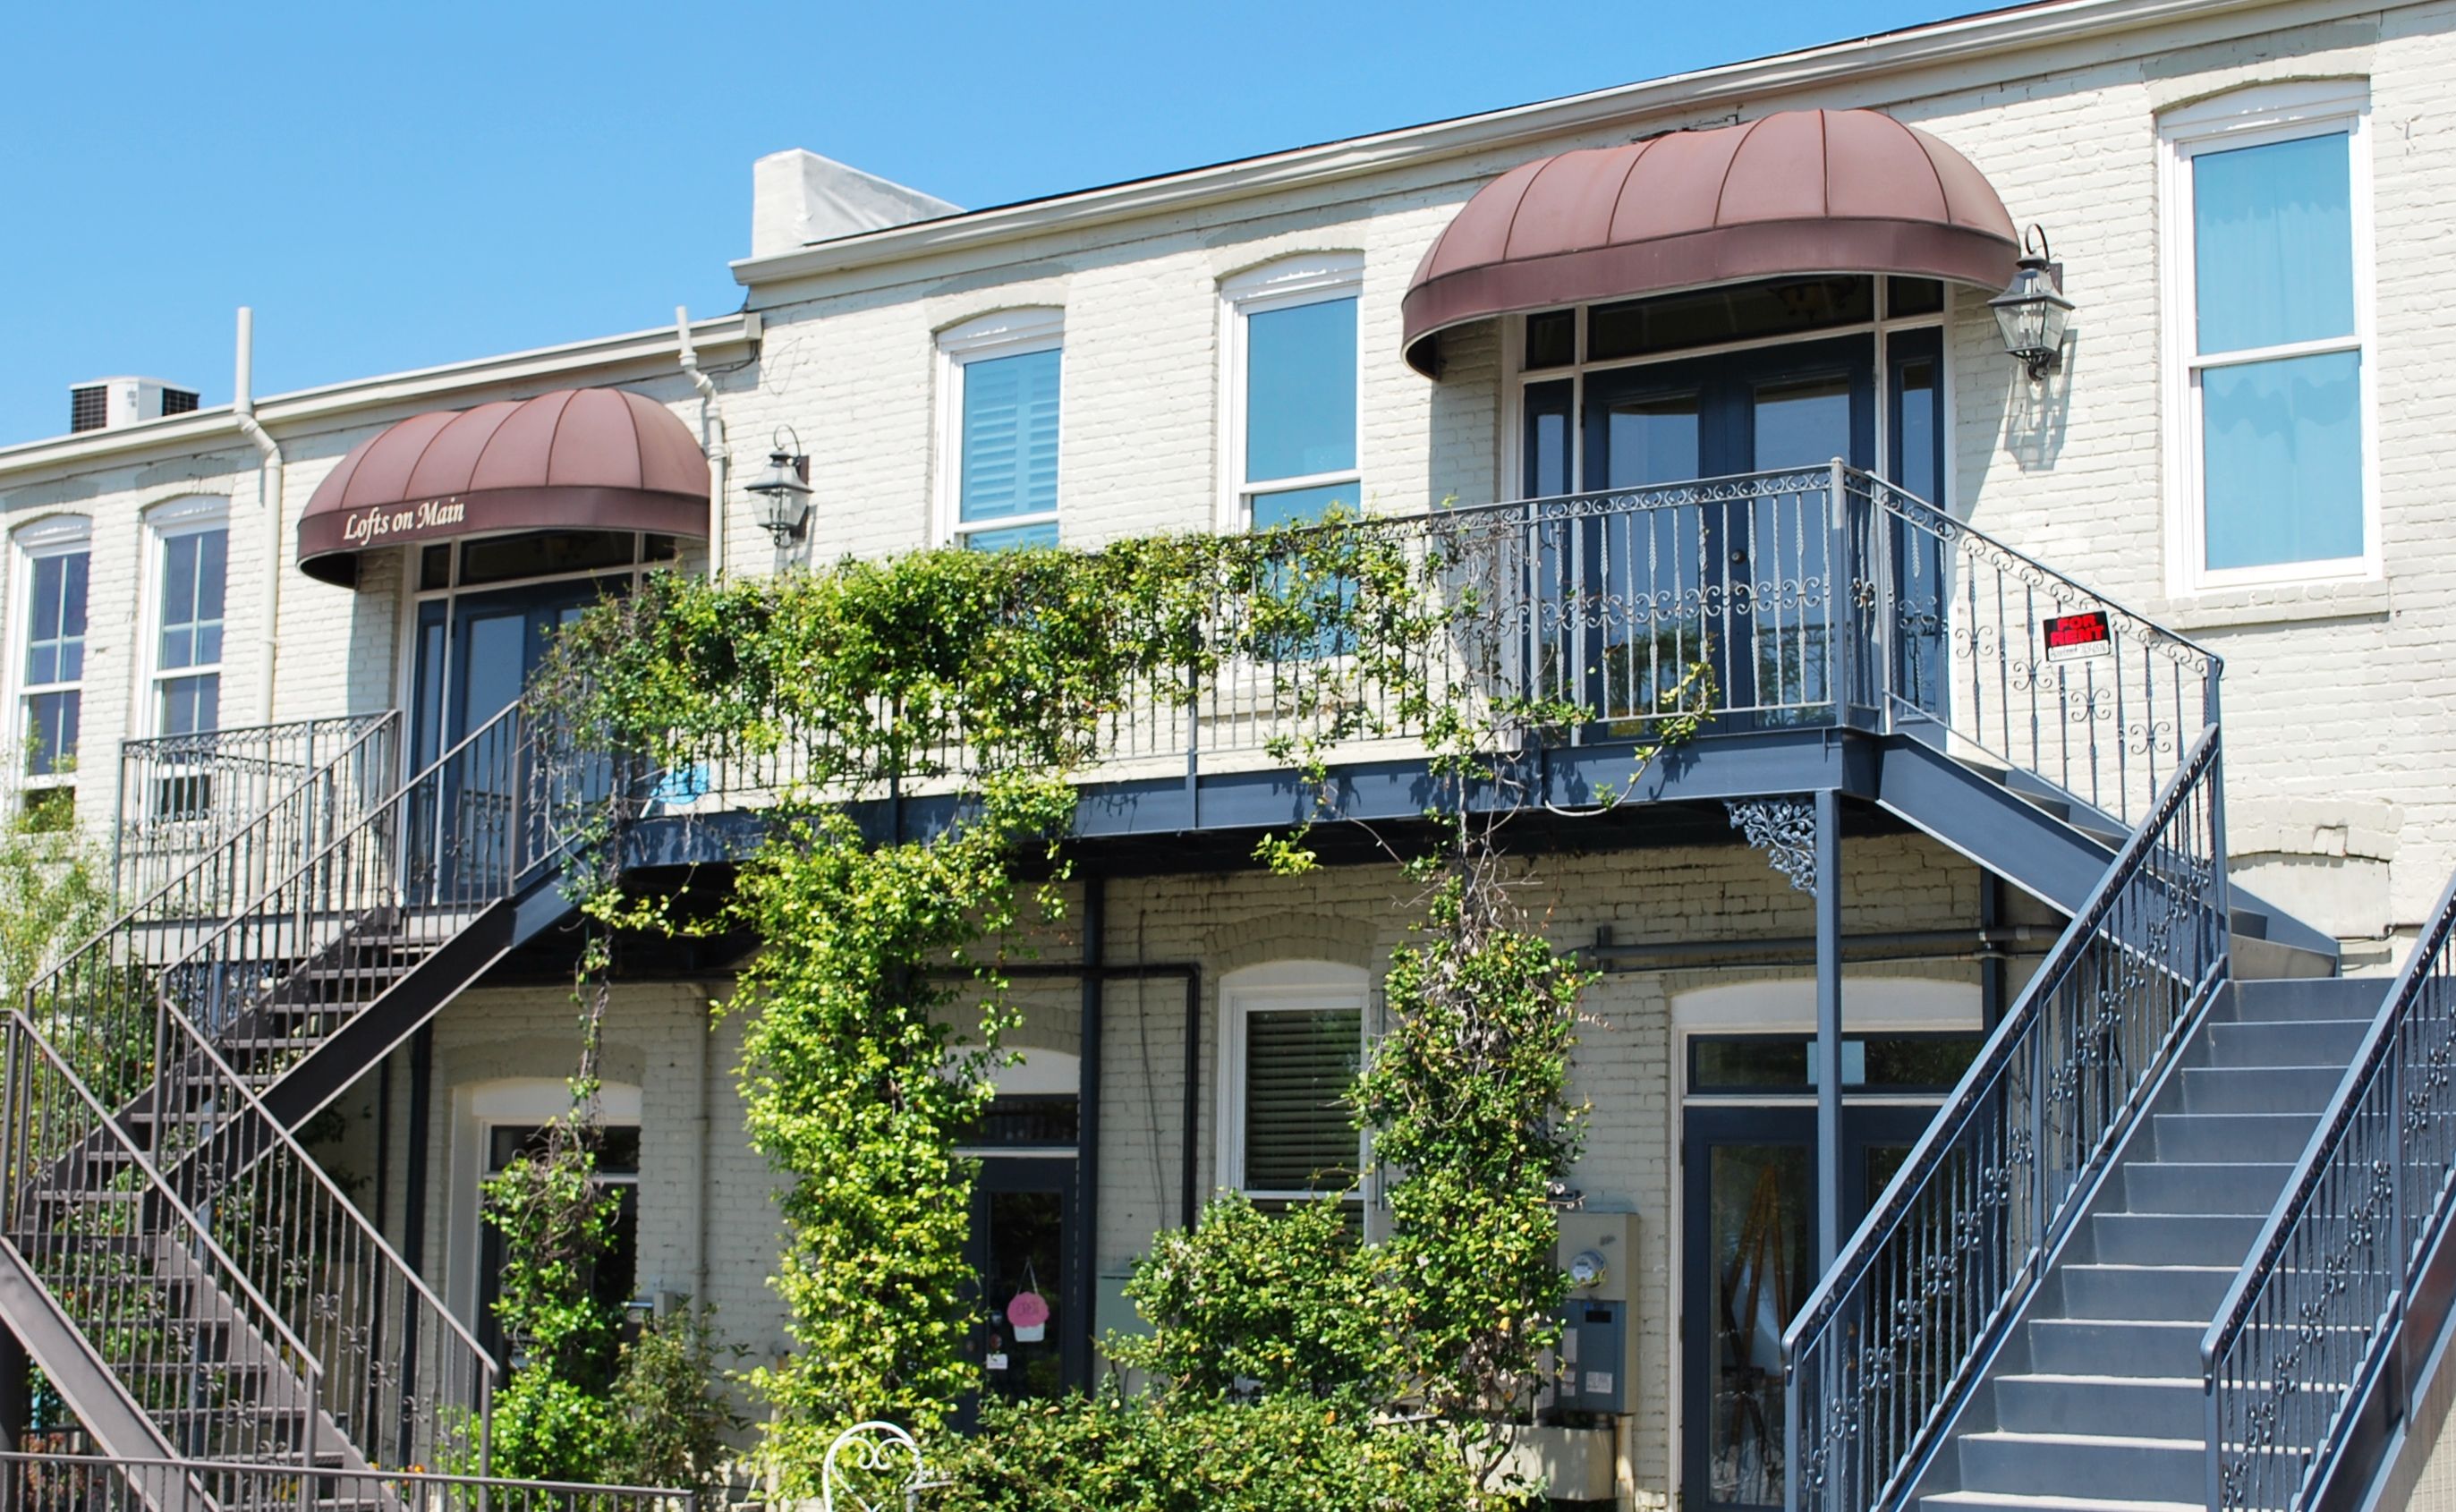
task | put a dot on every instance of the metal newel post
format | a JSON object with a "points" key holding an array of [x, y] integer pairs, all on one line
{"points": [[1829, 1028], [1841, 638]]}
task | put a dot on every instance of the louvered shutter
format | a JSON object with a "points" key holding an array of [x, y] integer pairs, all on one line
{"points": [[1009, 437], [1298, 1133]]}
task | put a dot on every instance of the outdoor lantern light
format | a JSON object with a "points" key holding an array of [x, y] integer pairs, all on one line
{"points": [[783, 489], [2032, 312]]}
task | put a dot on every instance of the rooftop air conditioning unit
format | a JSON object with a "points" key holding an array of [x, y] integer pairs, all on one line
{"points": [[108, 403]]}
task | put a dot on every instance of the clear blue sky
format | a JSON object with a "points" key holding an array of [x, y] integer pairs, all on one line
{"points": [[407, 184]]}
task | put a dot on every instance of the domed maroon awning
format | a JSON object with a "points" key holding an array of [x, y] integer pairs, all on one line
{"points": [[572, 460], [1799, 192]]}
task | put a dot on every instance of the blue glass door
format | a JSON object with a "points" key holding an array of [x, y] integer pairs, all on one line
{"points": [[475, 654], [1737, 569]]}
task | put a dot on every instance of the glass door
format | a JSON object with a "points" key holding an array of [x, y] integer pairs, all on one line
{"points": [[1750, 1214], [475, 654], [1022, 1339], [1742, 571]]}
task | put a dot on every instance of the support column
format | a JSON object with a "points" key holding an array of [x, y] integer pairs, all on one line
{"points": [[1083, 1277], [1829, 1028]]}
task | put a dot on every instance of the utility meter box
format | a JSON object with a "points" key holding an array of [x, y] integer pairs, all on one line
{"points": [[1598, 1352]]}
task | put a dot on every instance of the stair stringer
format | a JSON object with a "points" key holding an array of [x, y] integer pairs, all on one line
{"points": [[85, 1382]]}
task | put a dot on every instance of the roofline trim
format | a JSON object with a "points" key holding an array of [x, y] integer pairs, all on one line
{"points": [[206, 429], [1953, 40]]}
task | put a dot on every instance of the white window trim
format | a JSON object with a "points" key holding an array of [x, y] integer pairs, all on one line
{"points": [[476, 1109], [1285, 283], [54, 536], [2252, 117], [1006, 332], [165, 523], [1280, 985]]}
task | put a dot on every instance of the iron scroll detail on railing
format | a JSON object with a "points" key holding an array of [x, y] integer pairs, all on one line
{"points": [[1898, 1327], [2310, 1328]]}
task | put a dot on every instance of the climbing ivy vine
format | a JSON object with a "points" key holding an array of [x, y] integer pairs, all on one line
{"points": [[995, 680]]}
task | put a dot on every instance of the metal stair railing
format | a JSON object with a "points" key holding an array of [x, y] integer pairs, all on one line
{"points": [[2331, 1307], [1903, 1324], [2007, 660], [412, 1383], [96, 1006], [175, 1320], [181, 796]]}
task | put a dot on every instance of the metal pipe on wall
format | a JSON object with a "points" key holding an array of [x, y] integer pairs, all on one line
{"points": [[268, 490], [711, 440]]}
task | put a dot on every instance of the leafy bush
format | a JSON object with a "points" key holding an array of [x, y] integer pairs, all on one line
{"points": [[1285, 1302], [675, 1421], [1172, 1454]]}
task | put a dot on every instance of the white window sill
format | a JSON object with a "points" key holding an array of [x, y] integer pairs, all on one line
{"points": [[2277, 603]]}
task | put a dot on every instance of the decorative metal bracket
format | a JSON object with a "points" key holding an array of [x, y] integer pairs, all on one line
{"points": [[1785, 829], [872, 1466]]}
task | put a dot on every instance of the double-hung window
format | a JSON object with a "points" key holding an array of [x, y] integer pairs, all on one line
{"points": [[1001, 374], [2271, 370], [1292, 392], [54, 557], [1295, 1039], [193, 553]]}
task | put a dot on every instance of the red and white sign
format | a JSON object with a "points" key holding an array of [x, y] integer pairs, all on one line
{"points": [[2070, 637]]}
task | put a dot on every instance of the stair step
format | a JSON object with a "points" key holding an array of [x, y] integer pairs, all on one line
{"points": [[2014, 1501], [2279, 1137], [2175, 1238], [2134, 1349], [2085, 1464], [2167, 1292], [2158, 1407], [2229, 1187], [2306, 997], [2286, 1042], [2264, 1088]]}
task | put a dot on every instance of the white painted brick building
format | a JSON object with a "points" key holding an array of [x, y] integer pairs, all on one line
{"points": [[865, 304]]}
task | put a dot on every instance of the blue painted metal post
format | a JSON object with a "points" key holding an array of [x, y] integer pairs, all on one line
{"points": [[1829, 1028]]}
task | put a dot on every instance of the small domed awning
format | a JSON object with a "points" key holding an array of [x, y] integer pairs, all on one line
{"points": [[572, 460], [1800, 192]]}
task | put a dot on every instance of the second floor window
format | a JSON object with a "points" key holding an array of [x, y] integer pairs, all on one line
{"points": [[1293, 392], [188, 647], [1002, 378], [2269, 194], [55, 666]]}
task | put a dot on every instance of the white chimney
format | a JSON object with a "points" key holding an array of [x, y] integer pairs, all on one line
{"points": [[798, 198], [108, 403]]}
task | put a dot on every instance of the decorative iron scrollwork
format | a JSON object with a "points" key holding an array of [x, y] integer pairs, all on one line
{"points": [[1785, 829]]}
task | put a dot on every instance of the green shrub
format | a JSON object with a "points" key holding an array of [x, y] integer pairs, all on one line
{"points": [[1279, 1302], [675, 1421], [1172, 1454]]}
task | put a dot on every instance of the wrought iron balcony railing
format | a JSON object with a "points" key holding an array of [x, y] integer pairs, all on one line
{"points": [[182, 796], [1819, 597]]}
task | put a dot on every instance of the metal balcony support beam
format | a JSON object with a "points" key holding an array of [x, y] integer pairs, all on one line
{"points": [[1829, 1028]]}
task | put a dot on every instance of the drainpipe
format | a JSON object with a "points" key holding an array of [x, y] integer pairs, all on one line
{"points": [[243, 406], [711, 442]]}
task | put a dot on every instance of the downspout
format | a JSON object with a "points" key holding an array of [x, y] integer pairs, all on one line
{"points": [[711, 442], [243, 408]]}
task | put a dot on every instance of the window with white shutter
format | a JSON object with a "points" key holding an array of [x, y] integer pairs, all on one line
{"points": [[998, 483]]}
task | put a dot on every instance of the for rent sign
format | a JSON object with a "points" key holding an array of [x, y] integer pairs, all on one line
{"points": [[2070, 637]]}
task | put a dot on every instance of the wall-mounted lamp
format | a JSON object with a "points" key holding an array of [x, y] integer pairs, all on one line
{"points": [[783, 489], [2032, 312]]}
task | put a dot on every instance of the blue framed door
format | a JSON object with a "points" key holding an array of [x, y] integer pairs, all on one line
{"points": [[1750, 1261], [475, 654], [1743, 576]]}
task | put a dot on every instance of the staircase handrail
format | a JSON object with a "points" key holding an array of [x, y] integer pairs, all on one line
{"points": [[2338, 1257], [1971, 1148], [239, 917], [338, 1204], [17, 1160]]}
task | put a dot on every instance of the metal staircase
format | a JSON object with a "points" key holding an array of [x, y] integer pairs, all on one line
{"points": [[184, 1271]]}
